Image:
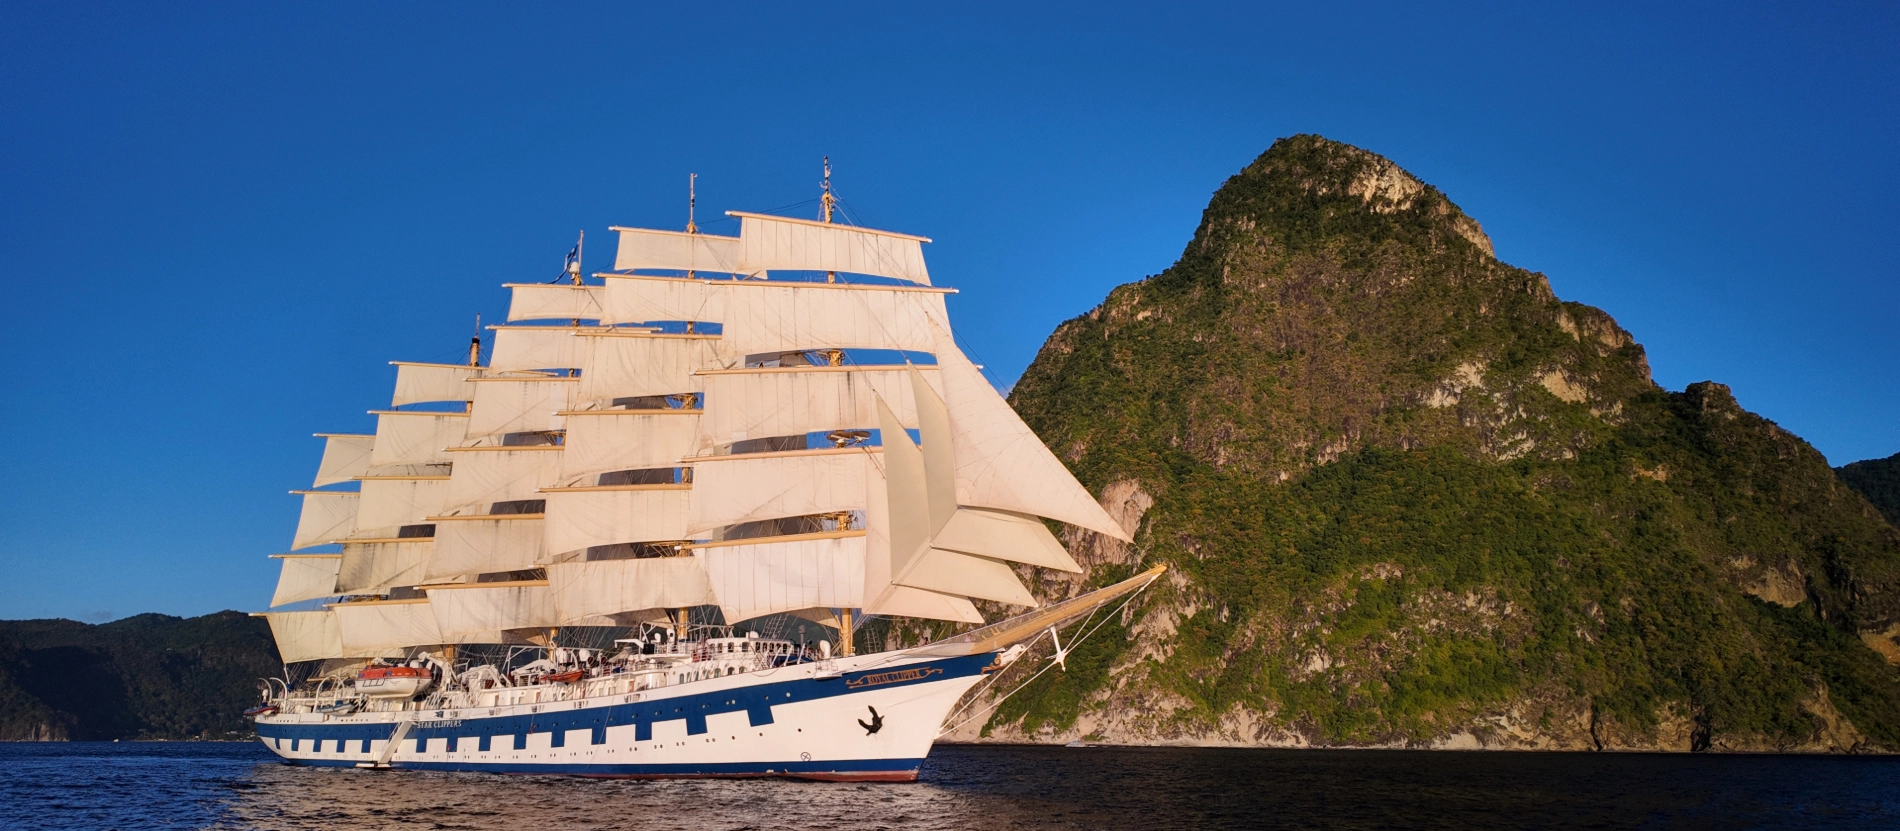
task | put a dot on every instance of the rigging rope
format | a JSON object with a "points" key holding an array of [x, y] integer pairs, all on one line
{"points": [[1032, 679]]}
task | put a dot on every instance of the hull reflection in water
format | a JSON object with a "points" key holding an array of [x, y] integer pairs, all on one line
{"points": [[983, 788]]}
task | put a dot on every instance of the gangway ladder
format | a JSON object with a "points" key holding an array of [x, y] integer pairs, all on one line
{"points": [[389, 750]]}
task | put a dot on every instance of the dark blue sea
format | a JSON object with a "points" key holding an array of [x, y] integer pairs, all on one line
{"points": [[241, 786]]}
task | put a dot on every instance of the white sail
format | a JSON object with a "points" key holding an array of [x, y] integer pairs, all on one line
{"points": [[519, 404], [600, 441], [921, 502], [908, 500], [419, 382], [367, 567], [1004, 536], [553, 301], [759, 403], [782, 316], [631, 365], [627, 590], [646, 248], [881, 596], [522, 348], [642, 299], [987, 533], [781, 574], [385, 627], [327, 516], [305, 636], [955, 573], [779, 243], [948, 518], [345, 457], [729, 490], [940, 478], [487, 475], [305, 577], [481, 545], [388, 503], [487, 612], [416, 437], [580, 518], [1001, 463]]}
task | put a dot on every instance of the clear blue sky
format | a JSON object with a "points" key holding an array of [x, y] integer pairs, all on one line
{"points": [[217, 223]]}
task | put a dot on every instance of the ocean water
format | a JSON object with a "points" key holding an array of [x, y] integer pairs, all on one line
{"points": [[241, 786]]}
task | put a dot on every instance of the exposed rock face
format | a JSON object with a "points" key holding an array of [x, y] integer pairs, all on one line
{"points": [[1413, 499]]}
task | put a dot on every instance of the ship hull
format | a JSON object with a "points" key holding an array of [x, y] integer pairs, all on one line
{"points": [[867, 718]]}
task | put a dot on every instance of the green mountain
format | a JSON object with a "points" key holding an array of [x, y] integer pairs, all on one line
{"points": [[1879, 481], [148, 676], [1409, 497]]}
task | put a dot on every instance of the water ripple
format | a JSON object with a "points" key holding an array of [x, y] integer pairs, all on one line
{"points": [[241, 786]]}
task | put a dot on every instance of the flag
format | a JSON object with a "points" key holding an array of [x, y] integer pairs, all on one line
{"points": [[573, 263]]}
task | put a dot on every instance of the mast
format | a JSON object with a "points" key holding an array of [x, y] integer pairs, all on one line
{"points": [[835, 357], [574, 268], [475, 344], [828, 201], [474, 355], [846, 643], [574, 273], [692, 202]]}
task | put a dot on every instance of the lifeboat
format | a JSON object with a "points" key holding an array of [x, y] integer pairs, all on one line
{"points": [[393, 682]]}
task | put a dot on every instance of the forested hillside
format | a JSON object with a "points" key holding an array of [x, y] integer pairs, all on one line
{"points": [[1879, 481], [148, 676], [1410, 497]]}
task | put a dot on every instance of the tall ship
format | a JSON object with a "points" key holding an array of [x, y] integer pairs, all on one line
{"points": [[682, 523]]}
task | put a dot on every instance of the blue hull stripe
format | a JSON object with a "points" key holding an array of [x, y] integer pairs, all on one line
{"points": [[756, 702], [845, 767]]}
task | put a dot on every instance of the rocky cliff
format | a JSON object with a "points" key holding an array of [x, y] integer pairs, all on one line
{"points": [[1409, 497]]}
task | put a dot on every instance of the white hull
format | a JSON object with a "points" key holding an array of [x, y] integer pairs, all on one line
{"points": [[806, 720]]}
